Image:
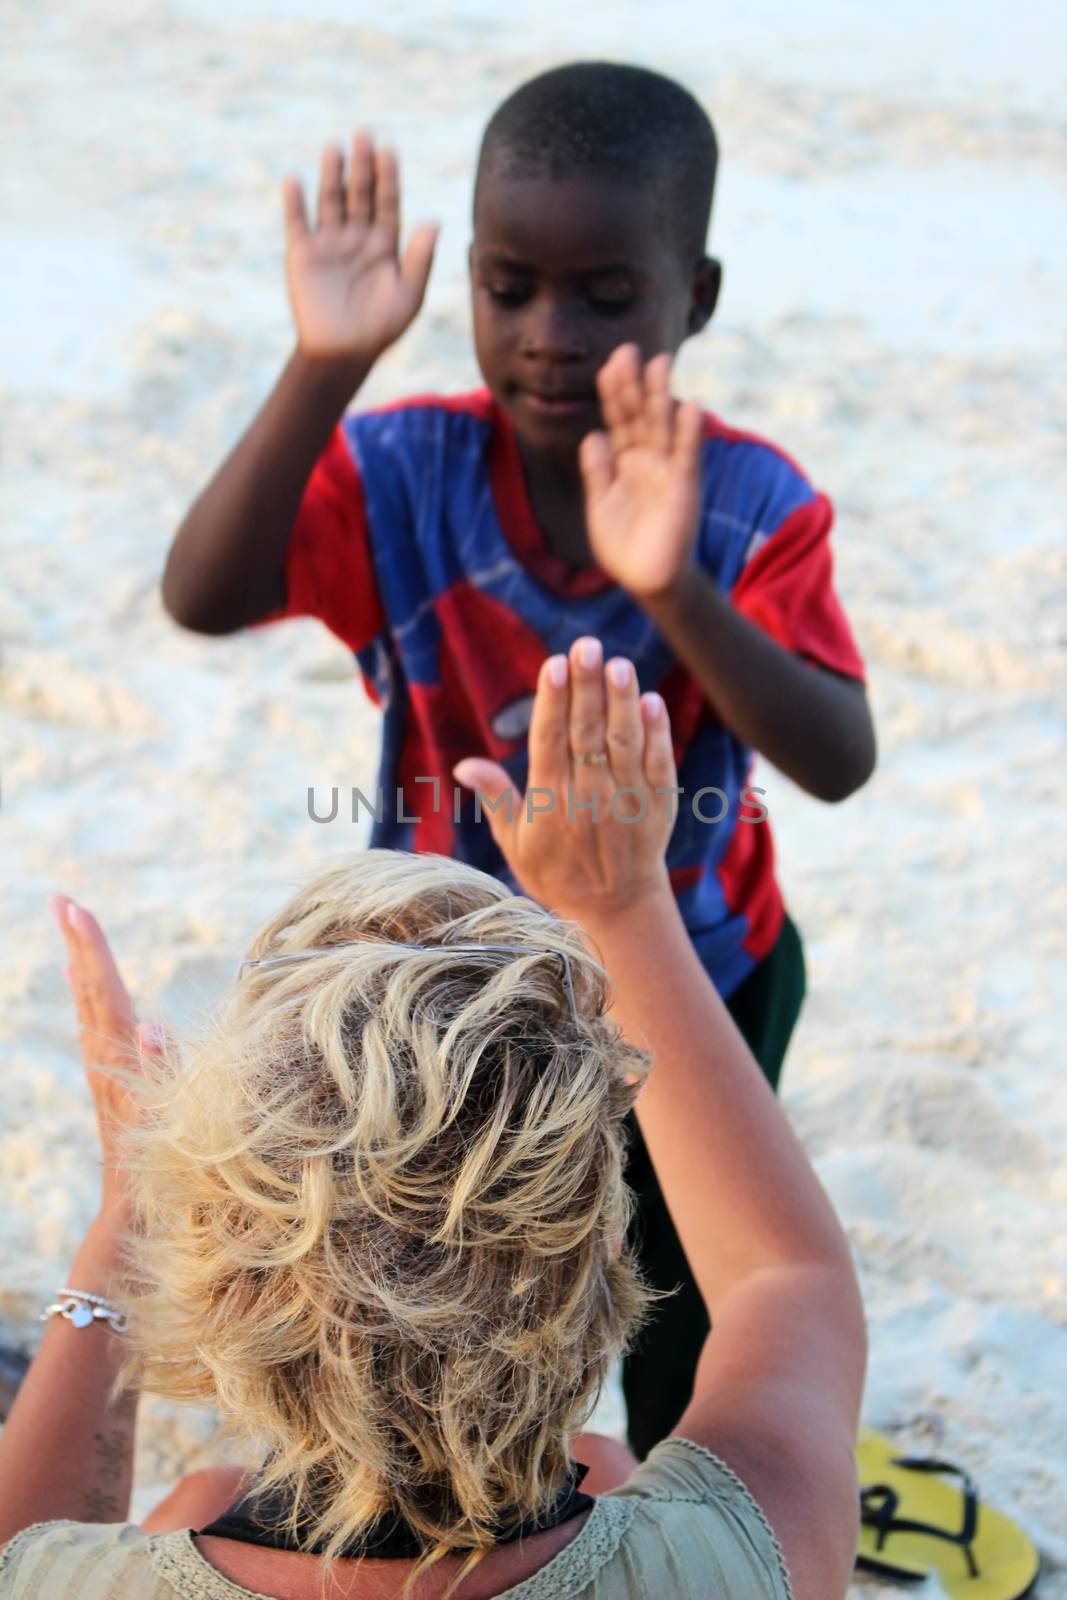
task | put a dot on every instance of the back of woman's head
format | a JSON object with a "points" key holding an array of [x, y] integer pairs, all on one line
{"points": [[383, 1201]]}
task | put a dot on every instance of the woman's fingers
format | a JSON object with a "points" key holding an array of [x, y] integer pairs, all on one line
{"points": [[587, 729], [549, 737], [658, 756], [625, 730], [105, 1011], [331, 188], [548, 768], [152, 1039], [111, 1041], [478, 772], [501, 801], [563, 838]]}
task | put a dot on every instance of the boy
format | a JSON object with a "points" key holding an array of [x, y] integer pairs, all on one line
{"points": [[445, 540]]}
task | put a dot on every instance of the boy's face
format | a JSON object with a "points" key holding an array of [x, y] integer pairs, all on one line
{"points": [[562, 273]]}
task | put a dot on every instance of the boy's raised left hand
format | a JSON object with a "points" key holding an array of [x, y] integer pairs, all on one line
{"points": [[642, 476]]}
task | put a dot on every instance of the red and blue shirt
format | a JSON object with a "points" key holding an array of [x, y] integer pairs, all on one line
{"points": [[416, 544]]}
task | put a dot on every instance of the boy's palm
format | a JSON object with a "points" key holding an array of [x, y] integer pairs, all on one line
{"points": [[351, 293], [642, 477]]}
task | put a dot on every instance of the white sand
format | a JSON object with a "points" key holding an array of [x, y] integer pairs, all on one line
{"points": [[891, 216]]}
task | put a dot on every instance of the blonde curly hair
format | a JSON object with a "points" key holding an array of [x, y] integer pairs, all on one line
{"points": [[382, 1203]]}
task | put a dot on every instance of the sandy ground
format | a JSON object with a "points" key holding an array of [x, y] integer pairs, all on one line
{"points": [[891, 214]]}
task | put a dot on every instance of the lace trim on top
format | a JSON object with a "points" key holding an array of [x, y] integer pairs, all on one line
{"points": [[175, 1558]]}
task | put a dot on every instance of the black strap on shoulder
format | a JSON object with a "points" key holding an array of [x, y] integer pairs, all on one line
{"points": [[879, 1502]]}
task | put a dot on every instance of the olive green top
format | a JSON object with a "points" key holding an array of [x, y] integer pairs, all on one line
{"points": [[682, 1525]]}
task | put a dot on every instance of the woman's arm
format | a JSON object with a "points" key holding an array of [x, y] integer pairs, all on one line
{"points": [[778, 1388], [66, 1450], [780, 1382], [779, 1385], [739, 1186], [741, 1190]]}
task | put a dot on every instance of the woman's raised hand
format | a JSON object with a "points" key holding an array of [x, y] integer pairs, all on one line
{"points": [[586, 837], [352, 294], [113, 1043]]}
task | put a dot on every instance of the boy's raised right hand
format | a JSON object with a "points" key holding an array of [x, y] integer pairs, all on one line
{"points": [[352, 294]]}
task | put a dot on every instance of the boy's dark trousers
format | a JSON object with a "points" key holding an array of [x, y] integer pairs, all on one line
{"points": [[657, 1375]]}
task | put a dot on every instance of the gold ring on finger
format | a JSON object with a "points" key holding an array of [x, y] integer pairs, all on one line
{"points": [[592, 758]]}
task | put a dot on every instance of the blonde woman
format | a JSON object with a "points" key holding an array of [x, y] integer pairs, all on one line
{"points": [[379, 1221], [377, 1216]]}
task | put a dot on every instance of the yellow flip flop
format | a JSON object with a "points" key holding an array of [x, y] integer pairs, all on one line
{"points": [[914, 1522]]}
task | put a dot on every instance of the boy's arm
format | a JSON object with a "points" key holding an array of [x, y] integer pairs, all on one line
{"points": [[813, 724], [226, 565], [351, 296]]}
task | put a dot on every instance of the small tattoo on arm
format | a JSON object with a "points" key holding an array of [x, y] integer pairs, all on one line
{"points": [[101, 1507], [112, 1454]]}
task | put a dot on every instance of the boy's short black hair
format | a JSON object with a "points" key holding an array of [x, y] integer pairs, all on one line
{"points": [[618, 123]]}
